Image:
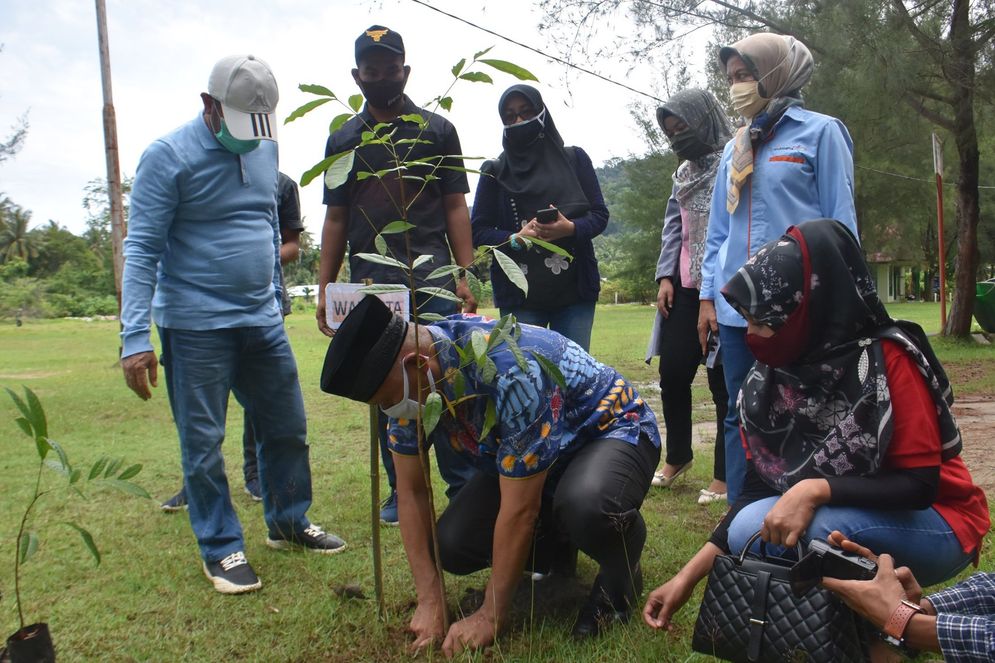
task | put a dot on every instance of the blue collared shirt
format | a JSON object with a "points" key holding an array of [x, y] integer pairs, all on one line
{"points": [[203, 236], [803, 171]]}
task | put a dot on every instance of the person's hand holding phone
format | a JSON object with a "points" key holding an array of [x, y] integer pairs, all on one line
{"points": [[551, 227]]}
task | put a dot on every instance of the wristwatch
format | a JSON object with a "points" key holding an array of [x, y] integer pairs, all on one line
{"points": [[894, 628]]}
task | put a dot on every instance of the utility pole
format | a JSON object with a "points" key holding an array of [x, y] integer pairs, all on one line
{"points": [[118, 230]]}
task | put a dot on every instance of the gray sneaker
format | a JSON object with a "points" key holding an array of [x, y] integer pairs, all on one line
{"points": [[312, 539]]}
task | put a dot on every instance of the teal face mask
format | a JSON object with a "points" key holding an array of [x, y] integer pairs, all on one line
{"points": [[232, 144]]}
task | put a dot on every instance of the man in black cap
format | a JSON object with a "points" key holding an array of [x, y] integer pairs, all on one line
{"points": [[359, 209], [565, 446]]}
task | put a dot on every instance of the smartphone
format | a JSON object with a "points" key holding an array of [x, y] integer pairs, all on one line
{"points": [[548, 215]]}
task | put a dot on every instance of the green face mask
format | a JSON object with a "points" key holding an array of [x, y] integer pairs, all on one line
{"points": [[232, 144]]}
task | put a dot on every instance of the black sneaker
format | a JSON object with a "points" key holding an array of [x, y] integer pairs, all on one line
{"points": [[232, 575], [388, 510], [596, 616], [312, 539], [254, 490], [177, 502]]}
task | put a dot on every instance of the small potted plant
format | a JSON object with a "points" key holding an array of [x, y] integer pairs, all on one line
{"points": [[32, 642]]}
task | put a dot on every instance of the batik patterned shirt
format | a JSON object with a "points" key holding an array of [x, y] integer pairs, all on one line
{"points": [[536, 421]]}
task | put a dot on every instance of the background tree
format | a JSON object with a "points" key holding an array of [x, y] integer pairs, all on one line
{"points": [[15, 239]]}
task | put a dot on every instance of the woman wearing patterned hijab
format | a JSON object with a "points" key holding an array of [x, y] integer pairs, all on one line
{"points": [[846, 416], [535, 172], [697, 129], [787, 164]]}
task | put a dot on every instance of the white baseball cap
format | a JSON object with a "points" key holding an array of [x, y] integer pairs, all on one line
{"points": [[248, 93]]}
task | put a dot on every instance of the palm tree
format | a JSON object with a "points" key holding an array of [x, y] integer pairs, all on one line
{"points": [[15, 240]]}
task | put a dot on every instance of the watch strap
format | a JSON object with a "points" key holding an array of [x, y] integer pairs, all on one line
{"points": [[899, 620]]}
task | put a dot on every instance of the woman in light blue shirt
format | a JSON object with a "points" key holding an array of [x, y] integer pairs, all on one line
{"points": [[787, 165]]}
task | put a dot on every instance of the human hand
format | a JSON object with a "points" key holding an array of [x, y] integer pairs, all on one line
{"points": [[529, 230], [320, 315], [549, 232], [474, 632], [874, 599], [790, 516], [909, 583], [706, 322], [463, 292], [427, 625], [136, 367], [665, 297], [664, 601]]}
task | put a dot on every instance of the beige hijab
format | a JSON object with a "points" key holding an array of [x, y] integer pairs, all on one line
{"points": [[781, 65]]}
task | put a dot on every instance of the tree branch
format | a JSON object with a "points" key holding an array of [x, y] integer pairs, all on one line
{"points": [[935, 96], [919, 105], [931, 46]]}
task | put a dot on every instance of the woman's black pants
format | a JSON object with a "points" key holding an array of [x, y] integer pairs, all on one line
{"points": [[590, 502]]}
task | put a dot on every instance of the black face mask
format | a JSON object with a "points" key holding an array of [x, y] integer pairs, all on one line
{"points": [[525, 133], [383, 94], [687, 145]]}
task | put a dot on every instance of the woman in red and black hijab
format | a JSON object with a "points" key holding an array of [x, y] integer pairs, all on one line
{"points": [[845, 417]]}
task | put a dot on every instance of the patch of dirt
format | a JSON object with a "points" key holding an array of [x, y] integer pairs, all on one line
{"points": [[976, 418]]}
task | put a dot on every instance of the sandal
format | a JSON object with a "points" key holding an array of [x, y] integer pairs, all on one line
{"points": [[706, 496]]}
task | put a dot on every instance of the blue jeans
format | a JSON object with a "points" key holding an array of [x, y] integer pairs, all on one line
{"points": [[921, 540], [256, 363], [574, 321], [736, 363], [454, 469]]}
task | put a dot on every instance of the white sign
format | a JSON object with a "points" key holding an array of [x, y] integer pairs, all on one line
{"points": [[341, 298]]}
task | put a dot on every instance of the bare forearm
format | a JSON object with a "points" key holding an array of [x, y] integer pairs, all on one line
{"points": [[458, 230], [415, 518], [512, 538], [333, 240], [701, 564]]}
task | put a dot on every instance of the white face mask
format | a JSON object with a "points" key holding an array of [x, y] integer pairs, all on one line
{"points": [[746, 98], [407, 407]]}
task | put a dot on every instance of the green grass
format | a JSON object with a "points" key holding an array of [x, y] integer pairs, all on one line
{"points": [[148, 600]]}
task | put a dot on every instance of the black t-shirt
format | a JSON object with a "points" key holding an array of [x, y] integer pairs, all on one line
{"points": [[288, 210], [374, 202]]}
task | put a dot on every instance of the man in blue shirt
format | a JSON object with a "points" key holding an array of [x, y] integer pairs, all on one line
{"points": [[204, 238], [565, 446], [787, 166]]}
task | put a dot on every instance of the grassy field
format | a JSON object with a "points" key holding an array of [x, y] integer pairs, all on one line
{"points": [[148, 600]]}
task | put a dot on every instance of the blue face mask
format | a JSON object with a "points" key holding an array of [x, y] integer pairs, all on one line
{"points": [[232, 144]]}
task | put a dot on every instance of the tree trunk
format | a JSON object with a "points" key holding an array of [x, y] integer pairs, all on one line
{"points": [[960, 72]]}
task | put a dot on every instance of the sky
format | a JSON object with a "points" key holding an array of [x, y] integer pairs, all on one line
{"points": [[162, 53]]}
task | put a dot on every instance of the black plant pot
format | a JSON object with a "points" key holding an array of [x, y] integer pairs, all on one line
{"points": [[31, 644]]}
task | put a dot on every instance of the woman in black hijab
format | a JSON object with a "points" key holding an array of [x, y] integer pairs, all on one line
{"points": [[846, 420], [535, 172]]}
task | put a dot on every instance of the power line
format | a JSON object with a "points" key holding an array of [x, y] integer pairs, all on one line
{"points": [[630, 88], [542, 53]]}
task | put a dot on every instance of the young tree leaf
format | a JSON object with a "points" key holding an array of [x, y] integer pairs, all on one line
{"points": [[322, 166], [21, 405], [438, 292], [412, 117], [488, 371], [304, 109], [421, 260], [37, 416], [479, 344], [25, 426], [458, 67], [126, 487], [316, 89], [381, 289], [87, 541], [512, 271], [483, 52], [459, 384], [98, 467], [412, 141], [382, 260], [396, 227], [517, 353], [112, 467], [476, 287], [460, 169], [445, 270], [430, 317], [549, 246], [60, 452], [57, 466], [338, 172], [432, 413], [447, 103], [552, 369], [381, 244], [338, 121], [130, 472], [490, 418], [42, 446], [28, 546], [356, 102], [477, 77], [520, 73], [74, 476]]}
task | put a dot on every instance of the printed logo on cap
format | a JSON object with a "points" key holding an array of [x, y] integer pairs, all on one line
{"points": [[376, 35]]}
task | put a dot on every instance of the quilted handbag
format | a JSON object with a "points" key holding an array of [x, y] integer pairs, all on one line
{"points": [[749, 613]]}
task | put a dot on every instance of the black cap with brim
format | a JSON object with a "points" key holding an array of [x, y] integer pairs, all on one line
{"points": [[377, 36], [363, 350]]}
